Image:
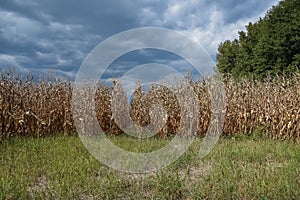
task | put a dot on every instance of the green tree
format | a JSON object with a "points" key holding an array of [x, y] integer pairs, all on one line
{"points": [[270, 46], [227, 56]]}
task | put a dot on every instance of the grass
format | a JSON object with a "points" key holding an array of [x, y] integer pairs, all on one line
{"points": [[60, 167]]}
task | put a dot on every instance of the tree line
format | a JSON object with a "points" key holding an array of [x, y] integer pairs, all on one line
{"points": [[269, 47]]}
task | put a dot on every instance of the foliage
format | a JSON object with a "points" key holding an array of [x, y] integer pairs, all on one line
{"points": [[269, 47]]}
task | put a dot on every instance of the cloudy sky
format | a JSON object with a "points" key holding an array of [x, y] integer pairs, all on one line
{"points": [[56, 36]]}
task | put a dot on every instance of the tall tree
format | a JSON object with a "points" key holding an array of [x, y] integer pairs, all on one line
{"points": [[270, 46]]}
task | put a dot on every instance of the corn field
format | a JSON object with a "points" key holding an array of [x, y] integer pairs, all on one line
{"points": [[29, 108]]}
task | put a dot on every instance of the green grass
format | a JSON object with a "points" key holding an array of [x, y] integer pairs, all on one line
{"points": [[238, 168]]}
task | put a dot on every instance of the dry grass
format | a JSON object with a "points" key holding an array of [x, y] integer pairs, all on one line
{"points": [[43, 108]]}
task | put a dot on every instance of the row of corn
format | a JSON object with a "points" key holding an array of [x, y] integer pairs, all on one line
{"points": [[44, 107]]}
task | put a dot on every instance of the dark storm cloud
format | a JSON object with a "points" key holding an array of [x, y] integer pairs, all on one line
{"points": [[57, 35]]}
